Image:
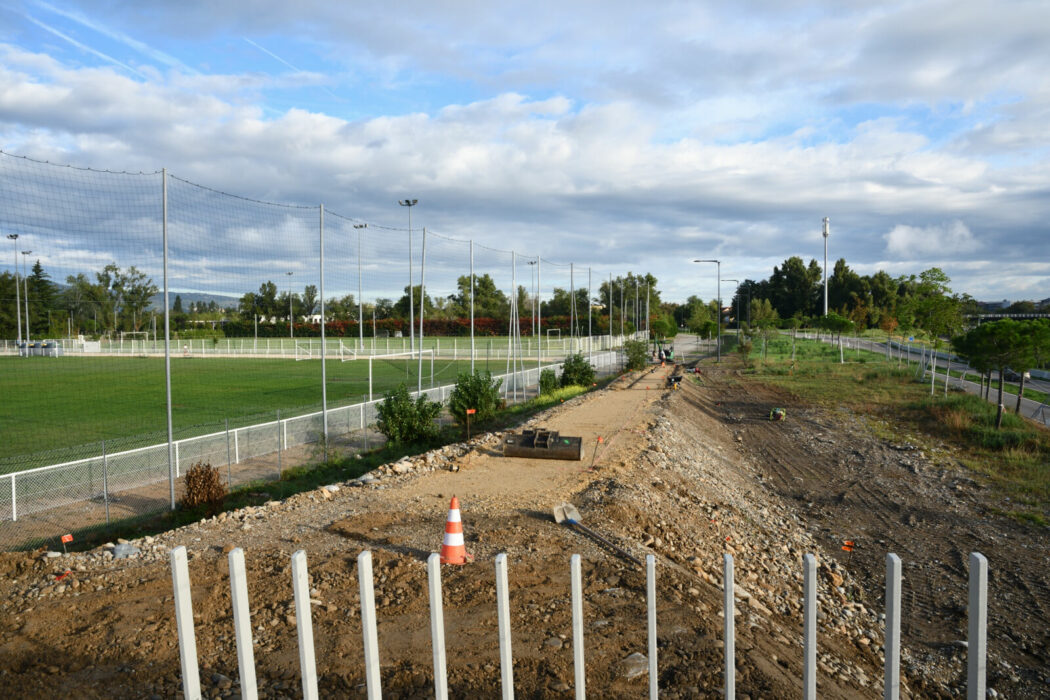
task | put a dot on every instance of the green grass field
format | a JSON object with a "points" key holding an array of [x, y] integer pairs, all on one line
{"points": [[55, 404]]}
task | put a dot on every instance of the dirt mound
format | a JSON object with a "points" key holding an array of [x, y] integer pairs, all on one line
{"points": [[684, 475]]}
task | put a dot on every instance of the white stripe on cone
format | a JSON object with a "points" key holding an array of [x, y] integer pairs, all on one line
{"points": [[453, 539]]}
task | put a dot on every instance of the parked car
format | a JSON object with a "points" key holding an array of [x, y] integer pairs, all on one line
{"points": [[1011, 376]]}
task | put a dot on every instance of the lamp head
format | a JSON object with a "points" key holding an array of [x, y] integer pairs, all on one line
{"points": [[13, 236], [407, 202]]}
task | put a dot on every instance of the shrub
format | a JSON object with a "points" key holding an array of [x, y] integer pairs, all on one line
{"points": [[203, 486], [405, 421], [744, 348], [478, 391], [576, 370], [636, 352], [549, 382]]}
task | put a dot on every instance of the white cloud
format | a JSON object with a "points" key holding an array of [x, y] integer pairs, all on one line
{"points": [[948, 240]]}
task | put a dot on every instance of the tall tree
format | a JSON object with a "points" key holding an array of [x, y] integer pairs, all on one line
{"points": [[134, 291], [794, 287]]}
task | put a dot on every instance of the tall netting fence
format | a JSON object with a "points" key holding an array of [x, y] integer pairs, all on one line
{"points": [[257, 382]]}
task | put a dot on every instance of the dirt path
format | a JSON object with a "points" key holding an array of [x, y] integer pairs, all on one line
{"points": [[687, 476]]}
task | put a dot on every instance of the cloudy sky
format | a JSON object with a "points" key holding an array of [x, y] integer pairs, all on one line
{"points": [[618, 135]]}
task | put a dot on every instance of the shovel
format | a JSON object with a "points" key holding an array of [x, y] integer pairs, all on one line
{"points": [[566, 514]]}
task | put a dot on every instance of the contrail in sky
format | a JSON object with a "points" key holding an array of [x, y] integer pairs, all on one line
{"points": [[275, 57], [84, 47], [139, 46]]}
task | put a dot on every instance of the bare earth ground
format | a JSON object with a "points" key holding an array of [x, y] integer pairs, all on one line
{"points": [[685, 475]]}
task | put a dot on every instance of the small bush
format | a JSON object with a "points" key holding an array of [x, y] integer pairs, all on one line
{"points": [[405, 421], [577, 371], [637, 354], [203, 486], [548, 382], [478, 391]]}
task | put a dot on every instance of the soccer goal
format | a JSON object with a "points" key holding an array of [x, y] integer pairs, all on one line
{"points": [[409, 357], [304, 351], [346, 354]]}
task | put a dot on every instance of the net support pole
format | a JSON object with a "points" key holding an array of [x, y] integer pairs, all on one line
{"points": [[422, 304], [324, 368], [472, 306], [572, 309], [539, 314], [167, 336], [590, 348]]}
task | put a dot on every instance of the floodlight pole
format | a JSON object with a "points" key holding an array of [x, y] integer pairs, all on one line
{"points": [[25, 288], [18, 298], [718, 304], [291, 319], [360, 318], [411, 303], [827, 230]]}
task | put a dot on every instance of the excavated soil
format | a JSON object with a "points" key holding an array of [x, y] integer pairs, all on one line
{"points": [[686, 475]]}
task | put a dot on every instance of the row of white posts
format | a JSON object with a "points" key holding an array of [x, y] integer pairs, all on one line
{"points": [[976, 650]]}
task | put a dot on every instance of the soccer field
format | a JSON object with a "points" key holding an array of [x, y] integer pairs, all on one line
{"points": [[52, 404]]}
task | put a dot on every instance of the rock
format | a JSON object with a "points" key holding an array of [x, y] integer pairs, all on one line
{"points": [[228, 548], [553, 642], [52, 555], [325, 493], [124, 550], [634, 665]]}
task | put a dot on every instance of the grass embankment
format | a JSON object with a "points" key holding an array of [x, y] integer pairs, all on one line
{"points": [[1015, 458], [308, 477]]}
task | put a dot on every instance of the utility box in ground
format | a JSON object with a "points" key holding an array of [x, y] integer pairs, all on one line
{"points": [[542, 444]]}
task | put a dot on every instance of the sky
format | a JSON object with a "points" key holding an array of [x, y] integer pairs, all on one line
{"points": [[615, 135]]}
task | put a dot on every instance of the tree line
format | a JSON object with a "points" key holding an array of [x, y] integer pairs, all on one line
{"points": [[114, 300]]}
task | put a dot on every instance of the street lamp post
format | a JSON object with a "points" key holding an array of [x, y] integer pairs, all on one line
{"points": [[718, 304], [18, 299], [360, 318], [25, 289], [291, 319], [827, 230], [411, 303]]}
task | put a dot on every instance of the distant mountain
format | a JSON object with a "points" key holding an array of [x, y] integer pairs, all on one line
{"points": [[221, 300]]}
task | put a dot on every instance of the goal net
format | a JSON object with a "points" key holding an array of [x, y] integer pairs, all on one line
{"points": [[346, 353], [304, 351]]}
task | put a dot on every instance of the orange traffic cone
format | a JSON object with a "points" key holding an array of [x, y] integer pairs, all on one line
{"points": [[452, 549]]}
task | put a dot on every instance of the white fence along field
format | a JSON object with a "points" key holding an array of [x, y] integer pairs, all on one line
{"points": [[976, 640]]}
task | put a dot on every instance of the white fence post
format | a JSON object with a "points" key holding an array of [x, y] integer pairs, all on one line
{"points": [[729, 627], [809, 634], [14, 500], [180, 577], [577, 628], [242, 624], [892, 677], [506, 660], [304, 625], [437, 626], [977, 640], [650, 587], [368, 624]]}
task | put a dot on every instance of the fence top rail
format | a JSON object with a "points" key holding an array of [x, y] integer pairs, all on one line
{"points": [[180, 441]]}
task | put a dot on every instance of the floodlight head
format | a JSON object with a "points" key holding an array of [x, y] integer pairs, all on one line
{"points": [[714, 261], [360, 225], [408, 202], [27, 252], [288, 273], [13, 236]]}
